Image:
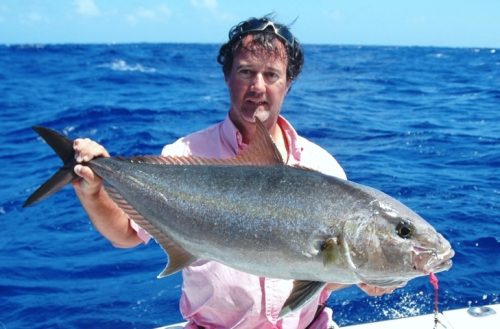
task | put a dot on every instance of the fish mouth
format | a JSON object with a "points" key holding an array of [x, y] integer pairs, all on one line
{"points": [[428, 260]]}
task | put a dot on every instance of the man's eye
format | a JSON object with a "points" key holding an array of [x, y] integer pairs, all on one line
{"points": [[272, 77], [245, 73]]}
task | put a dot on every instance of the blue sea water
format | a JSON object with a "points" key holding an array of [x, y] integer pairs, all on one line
{"points": [[421, 124]]}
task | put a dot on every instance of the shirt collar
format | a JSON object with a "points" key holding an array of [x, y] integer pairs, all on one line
{"points": [[292, 139], [231, 135]]}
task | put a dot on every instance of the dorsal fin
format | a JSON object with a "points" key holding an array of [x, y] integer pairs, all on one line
{"points": [[178, 258], [261, 151]]}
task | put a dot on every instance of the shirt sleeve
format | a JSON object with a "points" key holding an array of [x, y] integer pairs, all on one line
{"points": [[316, 158], [178, 148], [141, 233]]}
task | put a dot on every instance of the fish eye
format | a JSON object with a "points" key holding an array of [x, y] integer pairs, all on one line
{"points": [[404, 230]]}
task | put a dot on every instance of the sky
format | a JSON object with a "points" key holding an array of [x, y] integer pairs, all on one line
{"points": [[444, 23]]}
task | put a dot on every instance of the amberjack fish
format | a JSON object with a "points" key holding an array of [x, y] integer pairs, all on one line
{"points": [[258, 215]]}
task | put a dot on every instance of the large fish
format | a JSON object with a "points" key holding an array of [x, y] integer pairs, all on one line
{"points": [[256, 214]]}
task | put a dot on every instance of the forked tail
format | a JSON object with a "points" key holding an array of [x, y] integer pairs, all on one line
{"points": [[63, 146]]}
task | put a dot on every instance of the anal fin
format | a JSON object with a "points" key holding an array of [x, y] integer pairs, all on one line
{"points": [[302, 293], [178, 258]]}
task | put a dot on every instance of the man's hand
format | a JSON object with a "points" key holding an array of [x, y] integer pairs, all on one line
{"points": [[378, 291], [86, 150]]}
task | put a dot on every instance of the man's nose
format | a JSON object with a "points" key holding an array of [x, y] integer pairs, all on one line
{"points": [[258, 83]]}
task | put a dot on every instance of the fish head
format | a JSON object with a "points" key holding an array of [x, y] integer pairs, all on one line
{"points": [[390, 244]]}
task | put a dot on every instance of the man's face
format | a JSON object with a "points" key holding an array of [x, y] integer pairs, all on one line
{"points": [[257, 84]]}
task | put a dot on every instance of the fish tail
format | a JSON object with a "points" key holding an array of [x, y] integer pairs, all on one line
{"points": [[63, 147]]}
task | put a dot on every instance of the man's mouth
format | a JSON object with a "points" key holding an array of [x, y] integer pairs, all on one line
{"points": [[256, 102]]}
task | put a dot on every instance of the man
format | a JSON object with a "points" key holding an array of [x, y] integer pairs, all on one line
{"points": [[260, 61]]}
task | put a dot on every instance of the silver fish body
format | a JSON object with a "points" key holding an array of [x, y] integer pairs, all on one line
{"points": [[279, 221]]}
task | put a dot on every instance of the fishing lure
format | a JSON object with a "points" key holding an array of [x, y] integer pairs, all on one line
{"points": [[435, 283]]}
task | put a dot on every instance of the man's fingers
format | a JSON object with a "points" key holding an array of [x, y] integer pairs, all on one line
{"points": [[86, 150], [85, 172], [90, 183], [376, 291]]}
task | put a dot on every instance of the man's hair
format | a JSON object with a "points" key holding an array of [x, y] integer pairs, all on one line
{"points": [[263, 40]]}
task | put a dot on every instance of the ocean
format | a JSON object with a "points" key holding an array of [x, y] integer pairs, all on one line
{"points": [[419, 123]]}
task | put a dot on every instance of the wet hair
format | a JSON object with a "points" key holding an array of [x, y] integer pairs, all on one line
{"points": [[262, 42]]}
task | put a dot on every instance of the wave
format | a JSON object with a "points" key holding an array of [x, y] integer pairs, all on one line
{"points": [[123, 66]]}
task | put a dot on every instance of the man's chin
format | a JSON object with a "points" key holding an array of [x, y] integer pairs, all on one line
{"points": [[249, 116], [248, 119], [262, 116]]}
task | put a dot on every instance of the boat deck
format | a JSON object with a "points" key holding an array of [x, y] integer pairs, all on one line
{"points": [[483, 317]]}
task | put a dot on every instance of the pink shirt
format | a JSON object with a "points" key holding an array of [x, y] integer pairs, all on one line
{"points": [[217, 296]]}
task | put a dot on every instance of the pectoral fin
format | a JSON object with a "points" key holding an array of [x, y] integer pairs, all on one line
{"points": [[302, 293], [330, 250]]}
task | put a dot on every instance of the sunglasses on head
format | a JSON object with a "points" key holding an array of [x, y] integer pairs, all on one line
{"points": [[258, 25]]}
